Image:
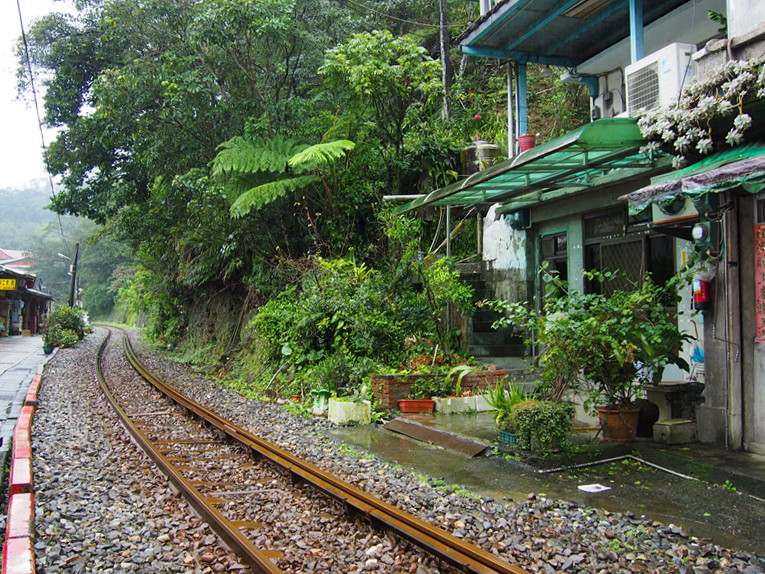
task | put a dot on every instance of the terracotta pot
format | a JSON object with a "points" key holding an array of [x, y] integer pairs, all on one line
{"points": [[416, 405], [526, 142], [618, 424]]}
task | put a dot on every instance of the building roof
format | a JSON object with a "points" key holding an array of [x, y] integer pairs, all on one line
{"points": [[562, 33], [601, 152]]}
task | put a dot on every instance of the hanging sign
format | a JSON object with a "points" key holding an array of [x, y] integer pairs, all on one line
{"points": [[759, 279], [7, 284]]}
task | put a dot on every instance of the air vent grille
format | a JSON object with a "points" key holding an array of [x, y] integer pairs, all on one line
{"points": [[644, 88]]}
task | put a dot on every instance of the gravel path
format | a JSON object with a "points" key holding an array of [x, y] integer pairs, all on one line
{"points": [[84, 462]]}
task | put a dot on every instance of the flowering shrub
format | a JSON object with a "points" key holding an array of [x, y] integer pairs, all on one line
{"points": [[685, 127]]}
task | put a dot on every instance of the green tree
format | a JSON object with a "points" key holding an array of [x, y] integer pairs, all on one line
{"points": [[383, 79]]}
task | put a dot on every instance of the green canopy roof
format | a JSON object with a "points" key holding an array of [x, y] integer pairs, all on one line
{"points": [[569, 164], [740, 166]]}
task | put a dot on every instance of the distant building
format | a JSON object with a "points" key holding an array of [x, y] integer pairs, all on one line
{"points": [[22, 304]]}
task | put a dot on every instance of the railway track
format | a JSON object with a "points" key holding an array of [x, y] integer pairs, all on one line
{"points": [[231, 478]]}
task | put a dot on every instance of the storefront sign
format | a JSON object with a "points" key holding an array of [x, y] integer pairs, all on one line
{"points": [[759, 279], [7, 284]]}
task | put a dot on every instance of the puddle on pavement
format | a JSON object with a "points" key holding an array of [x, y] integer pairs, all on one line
{"points": [[712, 513]]}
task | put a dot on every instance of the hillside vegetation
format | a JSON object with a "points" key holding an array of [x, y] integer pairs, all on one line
{"points": [[241, 150]]}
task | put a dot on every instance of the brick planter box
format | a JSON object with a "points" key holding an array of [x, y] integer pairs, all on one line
{"points": [[389, 389]]}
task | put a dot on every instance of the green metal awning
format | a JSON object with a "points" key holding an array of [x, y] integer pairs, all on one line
{"points": [[570, 164], [741, 166]]}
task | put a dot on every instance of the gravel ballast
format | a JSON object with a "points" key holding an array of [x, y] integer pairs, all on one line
{"points": [[93, 513]]}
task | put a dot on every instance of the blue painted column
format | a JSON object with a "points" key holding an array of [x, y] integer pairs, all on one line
{"points": [[510, 113], [637, 51], [522, 94]]}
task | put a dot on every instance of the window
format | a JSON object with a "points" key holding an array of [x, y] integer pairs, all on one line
{"points": [[555, 251], [612, 243]]}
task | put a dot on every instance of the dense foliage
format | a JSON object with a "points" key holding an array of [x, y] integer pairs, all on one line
{"points": [[616, 340], [238, 148], [64, 326], [345, 320]]}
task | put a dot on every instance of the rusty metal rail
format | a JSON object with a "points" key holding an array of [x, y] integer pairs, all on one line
{"points": [[462, 555], [256, 559]]}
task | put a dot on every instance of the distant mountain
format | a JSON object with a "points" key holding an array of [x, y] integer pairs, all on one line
{"points": [[22, 211]]}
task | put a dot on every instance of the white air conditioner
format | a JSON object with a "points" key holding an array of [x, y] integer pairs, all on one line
{"points": [[678, 210], [656, 80]]}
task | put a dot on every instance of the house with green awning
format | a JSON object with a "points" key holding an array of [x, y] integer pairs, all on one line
{"points": [[624, 191]]}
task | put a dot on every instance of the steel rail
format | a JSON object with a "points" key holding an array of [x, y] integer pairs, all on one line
{"points": [[256, 559], [463, 555]]}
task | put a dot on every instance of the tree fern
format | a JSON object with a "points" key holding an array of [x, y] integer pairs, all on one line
{"points": [[321, 154], [241, 156], [257, 197]]}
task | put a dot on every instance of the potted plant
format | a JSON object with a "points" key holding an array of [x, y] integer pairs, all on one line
{"points": [[609, 342], [353, 409], [421, 391], [50, 338]]}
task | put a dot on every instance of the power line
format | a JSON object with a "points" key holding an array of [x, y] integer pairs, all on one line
{"points": [[37, 111], [367, 9]]}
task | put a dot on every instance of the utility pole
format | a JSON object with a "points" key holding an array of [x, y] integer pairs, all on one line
{"points": [[446, 65], [74, 274]]}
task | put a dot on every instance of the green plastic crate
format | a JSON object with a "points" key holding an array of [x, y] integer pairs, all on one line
{"points": [[507, 437]]}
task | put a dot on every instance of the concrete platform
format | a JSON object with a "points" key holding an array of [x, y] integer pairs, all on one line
{"points": [[21, 358]]}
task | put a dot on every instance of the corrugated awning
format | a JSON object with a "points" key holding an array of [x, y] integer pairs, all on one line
{"points": [[741, 166], [558, 32], [570, 164]]}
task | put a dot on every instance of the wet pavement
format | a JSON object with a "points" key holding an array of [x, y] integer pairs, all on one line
{"points": [[724, 503]]}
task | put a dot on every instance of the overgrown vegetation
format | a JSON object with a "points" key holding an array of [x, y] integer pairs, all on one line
{"points": [[252, 179], [610, 342], [344, 320]]}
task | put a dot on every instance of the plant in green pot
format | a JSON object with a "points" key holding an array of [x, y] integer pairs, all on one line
{"points": [[609, 342]]}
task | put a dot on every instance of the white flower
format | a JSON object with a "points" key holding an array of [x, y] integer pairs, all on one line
{"points": [[742, 122], [704, 145], [707, 104], [734, 137], [678, 161], [668, 135], [682, 143], [724, 107]]}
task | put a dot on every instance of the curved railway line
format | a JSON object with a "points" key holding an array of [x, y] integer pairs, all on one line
{"points": [[230, 477]]}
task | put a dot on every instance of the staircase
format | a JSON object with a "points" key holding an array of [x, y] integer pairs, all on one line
{"points": [[501, 347]]}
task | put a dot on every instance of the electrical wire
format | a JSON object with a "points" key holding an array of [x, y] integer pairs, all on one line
{"points": [[363, 9], [37, 111], [688, 64]]}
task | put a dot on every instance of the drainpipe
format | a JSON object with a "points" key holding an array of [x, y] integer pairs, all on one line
{"points": [[732, 305]]}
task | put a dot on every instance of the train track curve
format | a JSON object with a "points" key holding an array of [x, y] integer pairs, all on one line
{"points": [[189, 459]]}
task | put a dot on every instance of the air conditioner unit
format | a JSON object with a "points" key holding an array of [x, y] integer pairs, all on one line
{"points": [[678, 210], [656, 80]]}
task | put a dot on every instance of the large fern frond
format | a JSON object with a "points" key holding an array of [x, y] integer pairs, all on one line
{"points": [[321, 154], [261, 195], [241, 155]]}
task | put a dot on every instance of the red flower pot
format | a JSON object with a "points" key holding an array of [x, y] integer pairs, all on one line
{"points": [[416, 405]]}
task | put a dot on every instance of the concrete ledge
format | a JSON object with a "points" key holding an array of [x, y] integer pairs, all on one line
{"points": [[452, 405], [21, 475], [18, 556], [34, 388], [21, 516], [22, 446], [674, 431]]}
